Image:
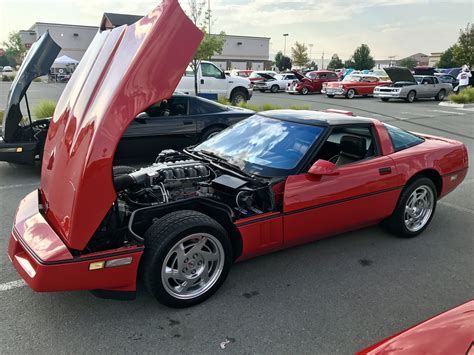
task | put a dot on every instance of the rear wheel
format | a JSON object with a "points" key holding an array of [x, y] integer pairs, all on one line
{"points": [[441, 95], [274, 88], [350, 93], [415, 209], [411, 96], [187, 258], [305, 90]]}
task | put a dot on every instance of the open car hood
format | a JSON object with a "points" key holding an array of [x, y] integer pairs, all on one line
{"points": [[266, 76], [397, 74], [124, 71], [38, 61], [298, 75]]}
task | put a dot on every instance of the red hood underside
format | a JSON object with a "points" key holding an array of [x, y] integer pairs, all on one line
{"points": [[124, 71]]}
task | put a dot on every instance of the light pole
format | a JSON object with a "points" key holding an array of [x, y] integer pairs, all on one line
{"points": [[284, 36], [310, 50], [209, 14]]}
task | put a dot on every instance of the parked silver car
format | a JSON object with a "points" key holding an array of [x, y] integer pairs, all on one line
{"points": [[408, 87]]}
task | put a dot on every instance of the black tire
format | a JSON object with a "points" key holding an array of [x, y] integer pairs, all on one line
{"points": [[274, 89], [210, 132], [411, 96], [162, 236], [305, 90], [441, 95], [395, 224], [350, 93], [238, 96], [385, 99], [331, 96], [122, 169]]}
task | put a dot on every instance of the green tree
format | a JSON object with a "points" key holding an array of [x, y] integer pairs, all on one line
{"points": [[299, 54], [282, 62], [211, 44], [336, 62], [408, 62], [6, 60], [14, 47], [463, 51], [362, 58], [313, 65], [349, 63], [447, 60]]}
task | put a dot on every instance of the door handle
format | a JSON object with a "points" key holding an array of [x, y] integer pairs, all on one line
{"points": [[202, 81], [187, 122], [385, 171]]}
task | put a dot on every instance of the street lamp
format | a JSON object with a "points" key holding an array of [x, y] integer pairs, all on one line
{"points": [[285, 35], [310, 50]]}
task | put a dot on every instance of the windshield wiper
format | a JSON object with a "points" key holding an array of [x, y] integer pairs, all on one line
{"points": [[222, 161]]}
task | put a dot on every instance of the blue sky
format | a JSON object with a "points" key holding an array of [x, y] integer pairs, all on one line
{"points": [[390, 27]]}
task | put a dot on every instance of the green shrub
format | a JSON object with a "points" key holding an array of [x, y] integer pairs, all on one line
{"points": [[298, 107], [37, 80], [259, 108], [8, 77], [44, 109], [222, 100], [464, 97], [1, 117]]}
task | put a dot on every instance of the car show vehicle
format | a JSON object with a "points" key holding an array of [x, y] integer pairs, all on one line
{"points": [[176, 122], [408, 87], [275, 83], [241, 73], [449, 79], [7, 69], [450, 332], [260, 75], [353, 85], [311, 82], [272, 181], [381, 74], [213, 82]]}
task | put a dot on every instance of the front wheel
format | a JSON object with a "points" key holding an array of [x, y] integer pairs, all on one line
{"points": [[440, 96], [414, 210], [238, 97], [350, 93], [274, 89], [187, 258], [305, 91], [411, 96]]}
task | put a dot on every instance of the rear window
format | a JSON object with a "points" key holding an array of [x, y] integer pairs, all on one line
{"points": [[402, 139]]}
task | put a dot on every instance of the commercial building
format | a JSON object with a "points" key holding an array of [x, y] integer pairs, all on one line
{"points": [[239, 52], [434, 58]]}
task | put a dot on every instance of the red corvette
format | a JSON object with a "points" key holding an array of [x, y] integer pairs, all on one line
{"points": [[272, 181], [353, 85], [451, 332]]}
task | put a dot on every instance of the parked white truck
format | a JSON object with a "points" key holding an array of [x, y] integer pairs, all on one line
{"points": [[213, 82]]}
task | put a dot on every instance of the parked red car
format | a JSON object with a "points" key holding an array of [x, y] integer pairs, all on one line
{"points": [[353, 85], [311, 82], [269, 182], [451, 332]]}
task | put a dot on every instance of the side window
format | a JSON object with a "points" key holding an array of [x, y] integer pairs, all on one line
{"points": [[348, 145], [402, 139], [435, 81], [201, 107], [322, 76], [427, 81], [210, 71], [175, 106]]}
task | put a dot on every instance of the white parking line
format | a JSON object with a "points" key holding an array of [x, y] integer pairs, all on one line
{"points": [[449, 112], [7, 187], [410, 113], [456, 207], [11, 285]]}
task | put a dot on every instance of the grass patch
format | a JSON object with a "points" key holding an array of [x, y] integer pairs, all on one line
{"points": [[464, 97], [264, 107], [38, 80], [1, 117], [44, 109]]}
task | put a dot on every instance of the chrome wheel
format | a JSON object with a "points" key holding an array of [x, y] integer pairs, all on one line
{"points": [[192, 266], [419, 208], [350, 94]]}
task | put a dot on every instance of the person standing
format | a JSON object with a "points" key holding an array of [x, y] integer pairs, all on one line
{"points": [[463, 78]]}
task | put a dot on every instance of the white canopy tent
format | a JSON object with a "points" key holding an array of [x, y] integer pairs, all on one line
{"points": [[65, 60]]}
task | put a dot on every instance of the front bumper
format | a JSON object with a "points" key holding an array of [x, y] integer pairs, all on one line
{"points": [[333, 91], [386, 94], [20, 153], [46, 264]]}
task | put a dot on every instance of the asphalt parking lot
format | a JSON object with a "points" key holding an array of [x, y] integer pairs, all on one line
{"points": [[336, 295]]}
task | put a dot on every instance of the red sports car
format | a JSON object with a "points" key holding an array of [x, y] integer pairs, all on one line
{"points": [[451, 332], [353, 85], [275, 180], [311, 82]]}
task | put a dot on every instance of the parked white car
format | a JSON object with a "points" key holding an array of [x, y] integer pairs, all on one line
{"points": [[213, 82], [7, 69], [275, 83]]}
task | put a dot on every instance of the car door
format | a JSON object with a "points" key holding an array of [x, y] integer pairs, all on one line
{"points": [[213, 80], [361, 194], [318, 82], [166, 125]]}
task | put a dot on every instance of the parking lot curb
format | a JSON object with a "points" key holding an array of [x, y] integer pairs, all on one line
{"points": [[452, 104]]}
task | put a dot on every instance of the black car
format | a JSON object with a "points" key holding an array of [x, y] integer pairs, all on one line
{"points": [[446, 78], [178, 122]]}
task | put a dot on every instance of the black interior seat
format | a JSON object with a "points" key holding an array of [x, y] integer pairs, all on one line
{"points": [[352, 149]]}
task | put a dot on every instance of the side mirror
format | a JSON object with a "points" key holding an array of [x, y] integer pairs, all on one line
{"points": [[323, 167]]}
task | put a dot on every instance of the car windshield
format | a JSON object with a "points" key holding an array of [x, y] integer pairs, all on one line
{"points": [[263, 146], [279, 77]]}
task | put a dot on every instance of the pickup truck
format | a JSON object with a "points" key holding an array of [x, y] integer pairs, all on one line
{"points": [[213, 82]]}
